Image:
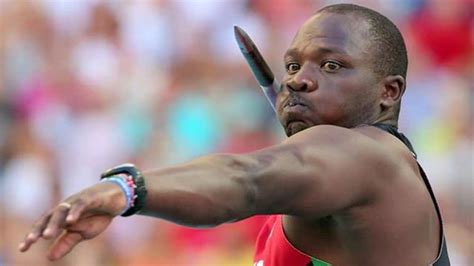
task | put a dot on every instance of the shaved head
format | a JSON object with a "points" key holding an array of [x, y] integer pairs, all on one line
{"points": [[388, 50]]}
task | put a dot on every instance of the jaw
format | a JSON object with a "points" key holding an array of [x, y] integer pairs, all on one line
{"points": [[293, 126]]}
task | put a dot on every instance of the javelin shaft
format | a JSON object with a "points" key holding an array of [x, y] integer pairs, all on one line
{"points": [[258, 66]]}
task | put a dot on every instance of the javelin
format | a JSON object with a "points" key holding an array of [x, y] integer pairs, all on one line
{"points": [[258, 66]]}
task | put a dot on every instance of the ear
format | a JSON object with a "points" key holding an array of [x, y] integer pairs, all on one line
{"points": [[393, 88]]}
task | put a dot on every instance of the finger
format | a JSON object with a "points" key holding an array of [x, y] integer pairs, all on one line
{"points": [[35, 233], [57, 221], [64, 245], [76, 211]]}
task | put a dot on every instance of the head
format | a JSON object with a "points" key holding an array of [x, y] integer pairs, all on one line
{"points": [[346, 66]]}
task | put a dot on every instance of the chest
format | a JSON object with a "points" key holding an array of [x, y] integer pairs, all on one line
{"points": [[273, 248]]}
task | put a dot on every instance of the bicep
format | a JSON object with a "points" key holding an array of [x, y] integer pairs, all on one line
{"points": [[317, 172]]}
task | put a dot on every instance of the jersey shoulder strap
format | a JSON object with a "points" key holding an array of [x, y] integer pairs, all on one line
{"points": [[443, 258]]}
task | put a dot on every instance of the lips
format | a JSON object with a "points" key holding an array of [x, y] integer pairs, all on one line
{"points": [[294, 105], [295, 108], [294, 101]]}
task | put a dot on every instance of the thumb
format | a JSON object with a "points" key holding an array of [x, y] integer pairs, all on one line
{"points": [[63, 245]]}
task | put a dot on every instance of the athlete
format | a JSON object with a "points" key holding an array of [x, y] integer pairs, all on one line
{"points": [[343, 189]]}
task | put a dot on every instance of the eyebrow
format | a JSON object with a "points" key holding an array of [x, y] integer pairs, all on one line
{"points": [[319, 50]]}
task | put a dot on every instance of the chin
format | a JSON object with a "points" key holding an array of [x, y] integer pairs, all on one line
{"points": [[295, 127]]}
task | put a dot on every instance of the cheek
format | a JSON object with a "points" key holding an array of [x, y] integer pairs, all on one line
{"points": [[360, 101], [330, 106], [343, 100]]}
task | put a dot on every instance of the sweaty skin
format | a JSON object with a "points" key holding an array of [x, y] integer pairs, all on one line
{"points": [[350, 194]]}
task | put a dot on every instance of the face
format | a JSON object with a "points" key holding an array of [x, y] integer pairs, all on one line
{"points": [[329, 75]]}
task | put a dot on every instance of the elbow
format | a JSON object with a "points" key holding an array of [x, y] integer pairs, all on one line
{"points": [[232, 196], [244, 178], [203, 223], [248, 190]]}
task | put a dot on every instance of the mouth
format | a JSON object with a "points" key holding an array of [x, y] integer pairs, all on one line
{"points": [[294, 106], [295, 114], [294, 102]]}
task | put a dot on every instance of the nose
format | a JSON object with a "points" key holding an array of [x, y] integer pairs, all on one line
{"points": [[304, 80]]}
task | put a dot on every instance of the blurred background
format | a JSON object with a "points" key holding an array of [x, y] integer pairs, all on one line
{"points": [[89, 84]]}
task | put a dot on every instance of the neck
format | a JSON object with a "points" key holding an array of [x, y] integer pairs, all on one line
{"points": [[385, 119]]}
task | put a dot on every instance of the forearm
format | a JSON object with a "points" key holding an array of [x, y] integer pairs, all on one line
{"points": [[208, 191]]}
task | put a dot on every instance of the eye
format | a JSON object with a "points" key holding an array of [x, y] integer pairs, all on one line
{"points": [[292, 68], [331, 66]]}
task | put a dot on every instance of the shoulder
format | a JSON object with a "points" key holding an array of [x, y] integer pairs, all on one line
{"points": [[367, 144], [361, 137], [388, 143], [329, 133]]}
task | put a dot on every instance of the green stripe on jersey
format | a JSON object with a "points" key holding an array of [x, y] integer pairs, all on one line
{"points": [[316, 262]]}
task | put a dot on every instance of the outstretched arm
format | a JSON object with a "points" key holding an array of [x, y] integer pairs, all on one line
{"points": [[314, 173]]}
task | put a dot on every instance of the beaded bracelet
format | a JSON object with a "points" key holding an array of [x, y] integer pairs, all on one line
{"points": [[134, 182], [127, 189]]}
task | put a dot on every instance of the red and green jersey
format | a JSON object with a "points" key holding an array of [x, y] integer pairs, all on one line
{"points": [[274, 249]]}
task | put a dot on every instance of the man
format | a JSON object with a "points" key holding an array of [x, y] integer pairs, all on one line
{"points": [[343, 189]]}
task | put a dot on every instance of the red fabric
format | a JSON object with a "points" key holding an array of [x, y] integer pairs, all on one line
{"points": [[446, 41], [273, 249]]}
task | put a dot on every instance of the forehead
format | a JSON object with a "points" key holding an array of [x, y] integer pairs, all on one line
{"points": [[344, 33]]}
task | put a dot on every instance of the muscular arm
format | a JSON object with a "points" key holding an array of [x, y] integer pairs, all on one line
{"points": [[314, 173]]}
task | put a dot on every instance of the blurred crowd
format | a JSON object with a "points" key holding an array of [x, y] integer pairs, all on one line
{"points": [[88, 84]]}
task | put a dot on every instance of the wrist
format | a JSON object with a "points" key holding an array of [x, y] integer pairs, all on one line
{"points": [[127, 188], [132, 184], [115, 200]]}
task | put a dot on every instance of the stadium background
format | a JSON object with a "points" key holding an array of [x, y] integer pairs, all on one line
{"points": [[88, 84]]}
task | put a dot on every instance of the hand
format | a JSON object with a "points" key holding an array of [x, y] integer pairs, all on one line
{"points": [[81, 216]]}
